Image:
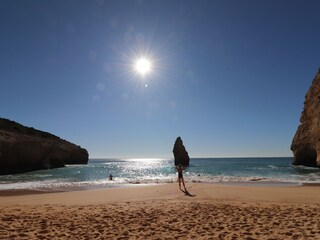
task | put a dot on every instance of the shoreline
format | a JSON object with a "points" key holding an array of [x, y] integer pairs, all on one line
{"points": [[18, 192], [21, 192], [213, 190]]}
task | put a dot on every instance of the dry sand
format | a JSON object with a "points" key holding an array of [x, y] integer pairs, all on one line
{"points": [[163, 212]]}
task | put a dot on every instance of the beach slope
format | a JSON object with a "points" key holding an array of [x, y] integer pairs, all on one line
{"points": [[213, 211]]}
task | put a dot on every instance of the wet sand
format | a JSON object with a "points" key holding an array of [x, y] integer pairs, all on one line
{"points": [[164, 212]]}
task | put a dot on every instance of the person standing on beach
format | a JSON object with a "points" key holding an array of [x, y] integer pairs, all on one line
{"points": [[179, 169]]}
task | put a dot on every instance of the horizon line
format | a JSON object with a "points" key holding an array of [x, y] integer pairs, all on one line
{"points": [[169, 158]]}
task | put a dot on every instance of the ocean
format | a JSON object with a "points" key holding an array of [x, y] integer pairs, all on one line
{"points": [[130, 172]]}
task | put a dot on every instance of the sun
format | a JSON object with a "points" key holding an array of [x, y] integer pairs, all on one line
{"points": [[143, 66]]}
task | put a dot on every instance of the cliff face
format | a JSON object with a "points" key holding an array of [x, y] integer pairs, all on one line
{"points": [[24, 149], [180, 154], [306, 142]]}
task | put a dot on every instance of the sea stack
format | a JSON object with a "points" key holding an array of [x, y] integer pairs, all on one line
{"points": [[180, 154], [306, 142], [24, 149]]}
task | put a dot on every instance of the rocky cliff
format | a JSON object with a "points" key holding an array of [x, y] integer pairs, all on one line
{"points": [[180, 154], [24, 149], [306, 142]]}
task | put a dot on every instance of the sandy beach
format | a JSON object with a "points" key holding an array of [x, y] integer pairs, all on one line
{"points": [[214, 211]]}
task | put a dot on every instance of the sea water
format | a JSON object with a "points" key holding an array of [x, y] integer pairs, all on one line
{"points": [[129, 172]]}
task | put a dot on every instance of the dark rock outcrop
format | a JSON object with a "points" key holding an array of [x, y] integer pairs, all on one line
{"points": [[180, 154], [306, 142], [24, 149]]}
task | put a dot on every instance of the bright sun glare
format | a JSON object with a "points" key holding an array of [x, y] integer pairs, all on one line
{"points": [[143, 66]]}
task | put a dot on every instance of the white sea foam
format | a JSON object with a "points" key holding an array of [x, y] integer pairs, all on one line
{"points": [[57, 184], [28, 185]]}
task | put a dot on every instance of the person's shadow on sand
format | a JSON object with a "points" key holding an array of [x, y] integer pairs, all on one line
{"points": [[187, 193]]}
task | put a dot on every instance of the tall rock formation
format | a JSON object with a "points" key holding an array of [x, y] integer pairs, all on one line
{"points": [[180, 154], [306, 142], [24, 149]]}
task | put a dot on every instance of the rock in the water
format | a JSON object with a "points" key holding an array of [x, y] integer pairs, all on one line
{"points": [[306, 142], [24, 149], [180, 154]]}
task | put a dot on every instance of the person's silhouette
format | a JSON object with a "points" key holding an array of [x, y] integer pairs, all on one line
{"points": [[179, 169]]}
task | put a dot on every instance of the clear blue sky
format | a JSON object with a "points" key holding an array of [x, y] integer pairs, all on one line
{"points": [[228, 76]]}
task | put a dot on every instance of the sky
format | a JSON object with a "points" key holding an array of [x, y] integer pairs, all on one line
{"points": [[228, 76]]}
